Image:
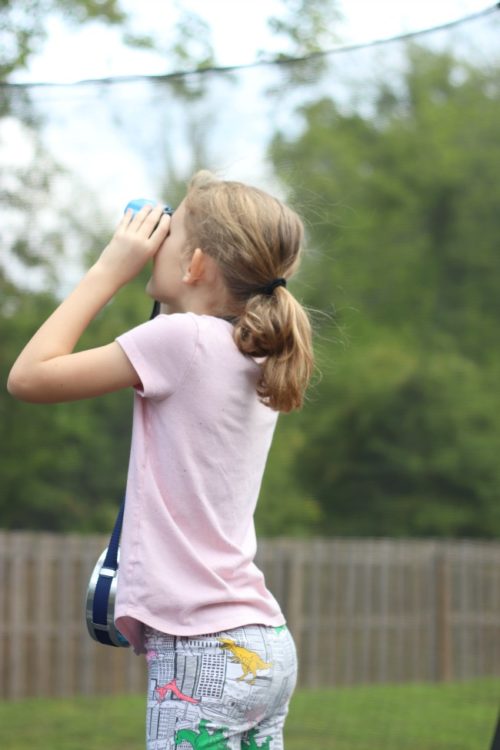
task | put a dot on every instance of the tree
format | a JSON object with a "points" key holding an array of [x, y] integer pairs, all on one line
{"points": [[63, 466], [306, 26], [23, 25], [402, 214], [408, 446]]}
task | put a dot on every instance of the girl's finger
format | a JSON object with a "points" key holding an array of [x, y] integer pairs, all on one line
{"points": [[163, 222], [126, 218], [147, 218], [137, 218], [152, 223], [133, 219]]}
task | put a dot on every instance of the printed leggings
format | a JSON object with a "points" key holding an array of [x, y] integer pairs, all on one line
{"points": [[223, 691]]}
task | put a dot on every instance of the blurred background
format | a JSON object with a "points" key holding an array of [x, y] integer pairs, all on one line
{"points": [[379, 515]]}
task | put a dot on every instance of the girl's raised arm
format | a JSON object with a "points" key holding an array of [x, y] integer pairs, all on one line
{"points": [[47, 370]]}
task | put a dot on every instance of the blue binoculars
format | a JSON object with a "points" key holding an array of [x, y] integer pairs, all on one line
{"points": [[138, 203]]}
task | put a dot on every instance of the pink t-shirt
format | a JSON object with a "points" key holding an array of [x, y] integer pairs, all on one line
{"points": [[200, 441]]}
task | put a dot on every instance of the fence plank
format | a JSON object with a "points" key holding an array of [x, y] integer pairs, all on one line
{"points": [[295, 597], [443, 629], [3, 610], [42, 619]]}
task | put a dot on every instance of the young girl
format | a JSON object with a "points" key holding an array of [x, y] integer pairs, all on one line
{"points": [[210, 376]]}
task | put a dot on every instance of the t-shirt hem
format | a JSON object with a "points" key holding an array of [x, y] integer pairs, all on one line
{"points": [[215, 626]]}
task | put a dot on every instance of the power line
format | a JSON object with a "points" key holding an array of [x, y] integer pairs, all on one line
{"points": [[279, 61]]}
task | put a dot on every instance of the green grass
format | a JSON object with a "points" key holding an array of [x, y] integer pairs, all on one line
{"points": [[457, 716]]}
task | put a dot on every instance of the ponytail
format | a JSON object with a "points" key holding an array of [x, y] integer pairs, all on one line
{"points": [[276, 328]]}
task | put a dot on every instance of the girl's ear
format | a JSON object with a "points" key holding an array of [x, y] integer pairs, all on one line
{"points": [[196, 267], [201, 267]]}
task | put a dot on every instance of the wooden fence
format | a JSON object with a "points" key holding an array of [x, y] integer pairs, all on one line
{"points": [[361, 611]]}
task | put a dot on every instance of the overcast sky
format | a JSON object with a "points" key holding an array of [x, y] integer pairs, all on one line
{"points": [[238, 31]]}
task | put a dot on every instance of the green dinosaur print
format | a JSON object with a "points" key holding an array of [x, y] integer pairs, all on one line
{"points": [[203, 740], [250, 743]]}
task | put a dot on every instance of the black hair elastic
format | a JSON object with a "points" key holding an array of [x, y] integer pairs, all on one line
{"points": [[269, 289]]}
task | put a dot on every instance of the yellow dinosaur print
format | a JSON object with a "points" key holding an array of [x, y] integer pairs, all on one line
{"points": [[250, 662]]}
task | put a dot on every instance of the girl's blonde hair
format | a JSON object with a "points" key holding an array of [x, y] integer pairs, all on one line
{"points": [[255, 239]]}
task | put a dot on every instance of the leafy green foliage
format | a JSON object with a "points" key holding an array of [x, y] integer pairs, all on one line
{"points": [[23, 25], [306, 25], [407, 446], [64, 466], [402, 213]]}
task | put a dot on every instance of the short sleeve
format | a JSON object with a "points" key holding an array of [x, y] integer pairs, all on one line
{"points": [[161, 351]]}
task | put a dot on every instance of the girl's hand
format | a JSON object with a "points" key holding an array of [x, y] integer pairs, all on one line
{"points": [[137, 238]]}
